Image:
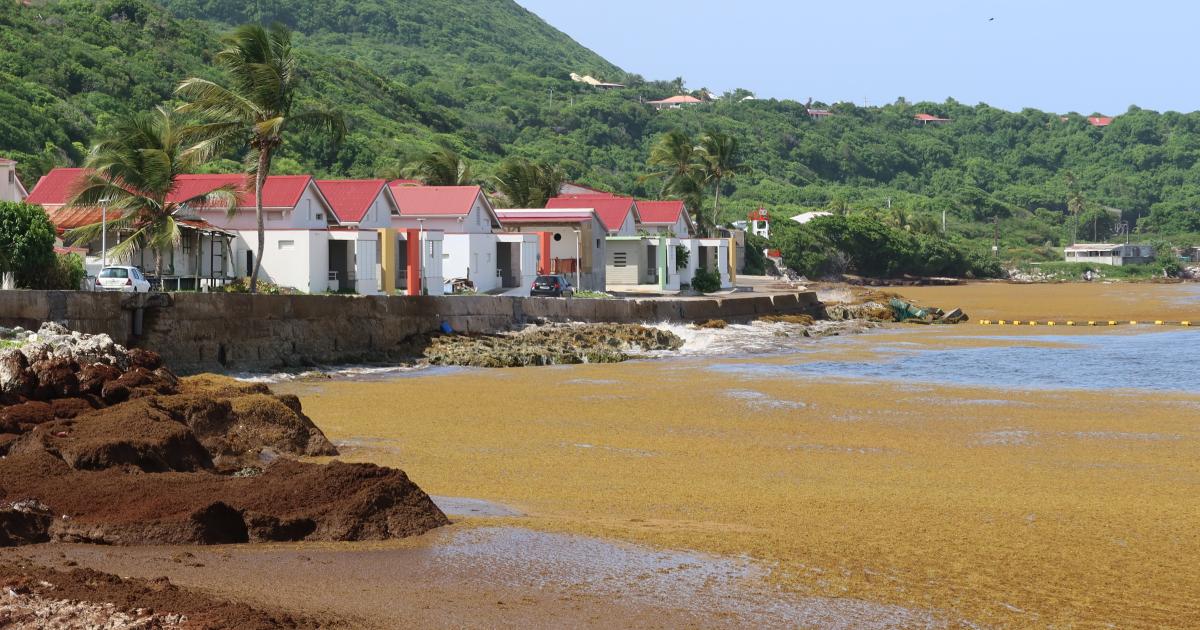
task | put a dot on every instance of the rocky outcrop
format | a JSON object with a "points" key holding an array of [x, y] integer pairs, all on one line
{"points": [[551, 344], [105, 445]]}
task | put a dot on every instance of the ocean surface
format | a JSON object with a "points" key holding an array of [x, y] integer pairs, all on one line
{"points": [[1155, 361]]}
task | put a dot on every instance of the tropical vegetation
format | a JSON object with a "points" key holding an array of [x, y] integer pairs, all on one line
{"points": [[488, 82], [133, 173]]}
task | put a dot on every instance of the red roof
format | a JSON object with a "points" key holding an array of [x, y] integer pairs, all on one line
{"points": [[422, 201], [280, 191], [681, 99], [611, 210], [534, 215], [54, 188], [930, 118], [351, 198], [819, 112], [70, 218], [660, 211], [4, 160], [1100, 121]]}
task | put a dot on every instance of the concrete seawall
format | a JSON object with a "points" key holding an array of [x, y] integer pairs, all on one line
{"points": [[217, 331]]}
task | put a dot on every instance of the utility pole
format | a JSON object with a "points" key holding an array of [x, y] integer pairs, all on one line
{"points": [[995, 236]]}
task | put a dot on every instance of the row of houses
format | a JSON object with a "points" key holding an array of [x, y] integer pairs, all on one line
{"points": [[376, 236]]}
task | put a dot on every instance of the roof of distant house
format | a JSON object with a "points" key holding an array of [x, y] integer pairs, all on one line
{"points": [[1099, 121], [682, 99], [819, 112], [4, 160], [930, 118], [572, 188], [611, 210], [351, 198], [542, 215], [805, 217]]}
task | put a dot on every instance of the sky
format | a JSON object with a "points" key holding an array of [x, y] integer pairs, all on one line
{"points": [[1055, 55]]}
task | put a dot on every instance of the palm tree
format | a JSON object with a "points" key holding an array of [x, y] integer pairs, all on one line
{"points": [[674, 157], [441, 167], [257, 107], [719, 157], [134, 172], [527, 184]]}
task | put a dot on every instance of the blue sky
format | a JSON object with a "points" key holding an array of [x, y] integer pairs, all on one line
{"points": [[1054, 55]]}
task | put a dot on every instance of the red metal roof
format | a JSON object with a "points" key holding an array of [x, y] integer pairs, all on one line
{"points": [[660, 211], [930, 118], [1100, 121], [65, 218], [280, 191], [54, 188], [351, 198], [681, 99], [611, 210], [423, 201]]}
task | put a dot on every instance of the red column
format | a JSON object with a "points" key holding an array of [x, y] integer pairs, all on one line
{"points": [[544, 250], [414, 262]]}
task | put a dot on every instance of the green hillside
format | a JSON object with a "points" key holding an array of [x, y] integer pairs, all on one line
{"points": [[492, 80]]}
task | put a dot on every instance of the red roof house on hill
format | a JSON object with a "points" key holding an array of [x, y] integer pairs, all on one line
{"points": [[930, 119], [619, 214], [1099, 121], [675, 102]]}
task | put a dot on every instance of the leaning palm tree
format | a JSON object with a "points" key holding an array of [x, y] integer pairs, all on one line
{"points": [[528, 184], [674, 159], [134, 172], [441, 167], [719, 157], [257, 107]]}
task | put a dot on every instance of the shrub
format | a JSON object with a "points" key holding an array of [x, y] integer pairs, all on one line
{"points": [[26, 244], [242, 285], [706, 281], [682, 256], [67, 273]]}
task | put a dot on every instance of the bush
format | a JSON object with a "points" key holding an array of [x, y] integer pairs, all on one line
{"points": [[26, 244], [706, 281], [242, 285], [66, 274], [756, 262], [683, 255]]}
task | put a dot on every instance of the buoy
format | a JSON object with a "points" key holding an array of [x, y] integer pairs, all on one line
{"points": [[1133, 322], [1158, 322], [1185, 323], [1070, 323], [1112, 322], [1049, 323]]}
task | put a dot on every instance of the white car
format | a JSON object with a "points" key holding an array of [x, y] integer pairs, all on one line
{"points": [[121, 278]]}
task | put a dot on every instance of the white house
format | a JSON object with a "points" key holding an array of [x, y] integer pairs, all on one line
{"points": [[202, 259], [1106, 254], [472, 247], [11, 188], [572, 242]]}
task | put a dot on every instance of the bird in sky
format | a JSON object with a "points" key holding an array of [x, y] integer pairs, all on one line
{"points": [[991, 19]]}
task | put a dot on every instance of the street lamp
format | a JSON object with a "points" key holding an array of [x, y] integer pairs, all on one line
{"points": [[104, 231]]}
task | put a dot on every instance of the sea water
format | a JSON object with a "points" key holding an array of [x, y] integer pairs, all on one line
{"points": [[1156, 361]]}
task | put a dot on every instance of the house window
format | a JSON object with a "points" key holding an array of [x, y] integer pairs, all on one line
{"points": [[187, 246], [619, 259], [287, 245], [12, 177], [597, 243], [320, 216]]}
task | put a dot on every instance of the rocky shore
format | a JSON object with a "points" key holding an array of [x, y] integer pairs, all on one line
{"points": [[550, 344], [102, 444]]}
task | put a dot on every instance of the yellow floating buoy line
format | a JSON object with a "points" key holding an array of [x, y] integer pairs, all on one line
{"points": [[1071, 322]]}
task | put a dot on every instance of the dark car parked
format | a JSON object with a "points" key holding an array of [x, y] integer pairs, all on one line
{"points": [[552, 286]]}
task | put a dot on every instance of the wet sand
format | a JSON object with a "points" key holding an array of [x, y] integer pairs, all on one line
{"points": [[990, 505]]}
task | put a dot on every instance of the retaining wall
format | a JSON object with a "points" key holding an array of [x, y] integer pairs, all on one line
{"points": [[219, 331]]}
